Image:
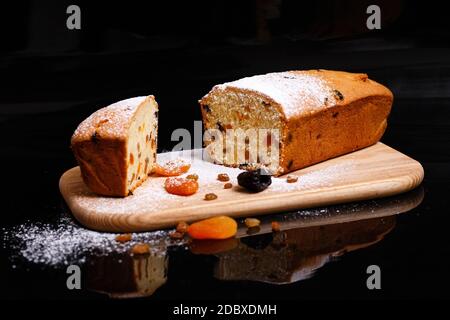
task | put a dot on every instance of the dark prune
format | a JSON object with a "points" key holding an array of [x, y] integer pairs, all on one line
{"points": [[255, 180]]}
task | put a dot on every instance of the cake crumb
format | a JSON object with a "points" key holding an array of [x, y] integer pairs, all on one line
{"points": [[291, 179]]}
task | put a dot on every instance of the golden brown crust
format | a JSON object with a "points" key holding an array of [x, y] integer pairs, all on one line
{"points": [[324, 113], [103, 165], [333, 132]]}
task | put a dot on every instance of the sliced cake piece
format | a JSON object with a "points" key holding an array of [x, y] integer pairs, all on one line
{"points": [[289, 120], [116, 146]]}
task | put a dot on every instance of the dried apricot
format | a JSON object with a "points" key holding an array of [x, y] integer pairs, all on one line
{"points": [[181, 186], [213, 246], [172, 168], [221, 227]]}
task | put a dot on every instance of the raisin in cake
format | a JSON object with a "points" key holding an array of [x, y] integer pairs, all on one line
{"points": [[309, 116], [116, 146]]}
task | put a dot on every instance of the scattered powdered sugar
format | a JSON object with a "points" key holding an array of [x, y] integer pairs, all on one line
{"points": [[152, 196], [315, 179], [207, 171], [296, 91], [113, 119], [64, 242]]}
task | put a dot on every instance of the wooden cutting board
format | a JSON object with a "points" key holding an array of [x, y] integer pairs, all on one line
{"points": [[373, 172]]}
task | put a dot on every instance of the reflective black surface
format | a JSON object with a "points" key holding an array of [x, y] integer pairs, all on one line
{"points": [[309, 240], [54, 79]]}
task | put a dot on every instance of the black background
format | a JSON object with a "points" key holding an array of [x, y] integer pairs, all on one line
{"points": [[52, 78]]}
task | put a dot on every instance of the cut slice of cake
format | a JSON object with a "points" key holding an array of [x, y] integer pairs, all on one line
{"points": [[116, 146]]}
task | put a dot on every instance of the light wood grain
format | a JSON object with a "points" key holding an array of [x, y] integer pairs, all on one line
{"points": [[376, 171]]}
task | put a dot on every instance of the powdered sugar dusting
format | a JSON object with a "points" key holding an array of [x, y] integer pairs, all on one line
{"points": [[64, 242], [296, 91], [175, 164], [112, 120], [320, 178], [152, 196], [175, 181]]}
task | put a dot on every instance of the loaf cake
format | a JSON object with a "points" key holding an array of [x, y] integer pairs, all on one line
{"points": [[116, 146], [300, 118]]}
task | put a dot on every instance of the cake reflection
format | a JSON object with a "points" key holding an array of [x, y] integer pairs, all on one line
{"points": [[126, 276], [307, 241], [295, 254]]}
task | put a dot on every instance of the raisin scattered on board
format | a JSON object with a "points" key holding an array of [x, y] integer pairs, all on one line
{"points": [[252, 222], [122, 238], [275, 226], [140, 248], [228, 185], [192, 176], [291, 179], [182, 227], [223, 177], [210, 196], [255, 180], [175, 235]]}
